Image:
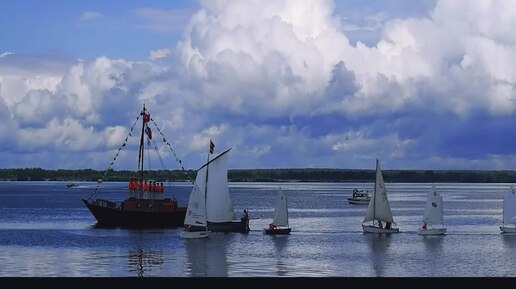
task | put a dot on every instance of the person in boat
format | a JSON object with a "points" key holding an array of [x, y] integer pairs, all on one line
{"points": [[387, 225], [272, 226], [424, 226], [245, 218], [380, 224]]}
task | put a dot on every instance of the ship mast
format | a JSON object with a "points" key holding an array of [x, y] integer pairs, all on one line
{"points": [[141, 152]]}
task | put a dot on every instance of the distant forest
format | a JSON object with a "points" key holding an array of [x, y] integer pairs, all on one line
{"points": [[267, 175]]}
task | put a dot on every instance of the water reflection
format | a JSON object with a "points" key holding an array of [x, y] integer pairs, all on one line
{"points": [[142, 258], [144, 262], [433, 244], [433, 255], [280, 244], [509, 242], [379, 249], [207, 257]]}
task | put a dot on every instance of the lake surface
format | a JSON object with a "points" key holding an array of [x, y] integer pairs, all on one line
{"points": [[45, 230]]}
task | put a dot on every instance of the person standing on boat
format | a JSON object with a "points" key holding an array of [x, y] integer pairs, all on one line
{"points": [[245, 218]]}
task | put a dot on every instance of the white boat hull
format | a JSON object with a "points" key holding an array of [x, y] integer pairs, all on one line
{"points": [[195, 234], [508, 230], [358, 201], [371, 229], [431, 231]]}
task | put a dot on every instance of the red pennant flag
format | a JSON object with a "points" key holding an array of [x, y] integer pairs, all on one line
{"points": [[148, 131], [146, 117], [212, 147]]}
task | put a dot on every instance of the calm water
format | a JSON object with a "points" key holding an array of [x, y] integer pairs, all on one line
{"points": [[46, 231]]}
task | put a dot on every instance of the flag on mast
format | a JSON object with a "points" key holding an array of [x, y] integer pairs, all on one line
{"points": [[146, 117], [148, 131], [212, 147]]}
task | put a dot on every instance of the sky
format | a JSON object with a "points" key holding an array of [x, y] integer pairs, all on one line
{"points": [[286, 83]]}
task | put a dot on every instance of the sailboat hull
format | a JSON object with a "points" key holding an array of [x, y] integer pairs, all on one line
{"points": [[195, 234], [355, 201], [279, 231], [371, 229], [115, 216], [508, 230], [229, 227], [431, 231]]}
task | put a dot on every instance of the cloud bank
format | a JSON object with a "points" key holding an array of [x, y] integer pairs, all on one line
{"points": [[282, 84]]}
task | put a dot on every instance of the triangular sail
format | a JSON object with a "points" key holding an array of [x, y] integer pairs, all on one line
{"points": [[281, 211], [218, 202], [509, 207], [196, 212], [378, 208], [434, 208]]}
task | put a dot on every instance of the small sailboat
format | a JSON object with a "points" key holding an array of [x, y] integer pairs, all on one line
{"points": [[196, 225], [279, 225], [378, 209], [433, 218], [220, 213], [196, 220], [509, 212]]}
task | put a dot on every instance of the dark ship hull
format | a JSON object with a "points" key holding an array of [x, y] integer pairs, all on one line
{"points": [[283, 231], [229, 227], [137, 213]]}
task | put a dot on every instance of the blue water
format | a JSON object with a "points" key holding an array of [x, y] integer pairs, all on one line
{"points": [[45, 230]]}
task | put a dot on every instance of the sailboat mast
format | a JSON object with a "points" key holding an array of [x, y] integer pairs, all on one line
{"points": [[503, 208], [374, 192], [286, 208], [141, 153], [206, 183], [206, 192]]}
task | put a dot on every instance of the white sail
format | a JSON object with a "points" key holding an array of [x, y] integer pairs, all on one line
{"points": [[281, 211], [433, 209], [378, 208], [218, 203], [509, 207], [196, 212]]}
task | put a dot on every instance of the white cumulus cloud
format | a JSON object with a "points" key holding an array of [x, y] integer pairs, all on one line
{"points": [[280, 82], [89, 15]]}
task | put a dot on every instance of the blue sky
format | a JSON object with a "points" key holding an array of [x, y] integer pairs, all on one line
{"points": [[337, 84], [88, 29]]}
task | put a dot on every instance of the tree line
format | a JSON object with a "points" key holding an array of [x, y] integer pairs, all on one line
{"points": [[266, 175]]}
